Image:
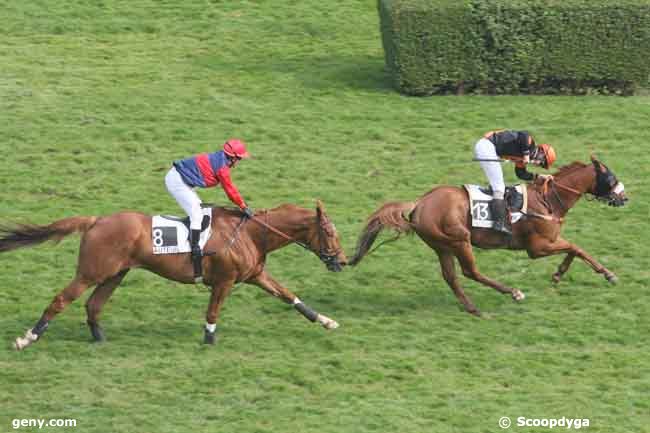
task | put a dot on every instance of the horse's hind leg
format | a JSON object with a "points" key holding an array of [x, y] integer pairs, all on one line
{"points": [[467, 262], [447, 266], [61, 300], [97, 300]]}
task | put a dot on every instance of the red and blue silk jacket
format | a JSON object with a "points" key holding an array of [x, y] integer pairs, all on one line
{"points": [[209, 169]]}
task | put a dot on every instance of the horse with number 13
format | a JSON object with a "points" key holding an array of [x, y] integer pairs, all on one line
{"points": [[442, 218]]}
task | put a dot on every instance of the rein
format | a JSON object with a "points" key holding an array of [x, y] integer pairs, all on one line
{"points": [[554, 184], [326, 257], [278, 232]]}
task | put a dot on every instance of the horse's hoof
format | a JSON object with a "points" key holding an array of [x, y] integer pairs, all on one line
{"points": [[474, 312], [332, 324], [98, 334], [326, 322], [518, 295], [556, 277], [612, 278], [209, 338], [21, 342]]}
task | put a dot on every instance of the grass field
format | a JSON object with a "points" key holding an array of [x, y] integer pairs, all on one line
{"points": [[97, 99]]}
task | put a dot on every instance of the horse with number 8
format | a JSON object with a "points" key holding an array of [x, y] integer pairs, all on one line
{"points": [[113, 245]]}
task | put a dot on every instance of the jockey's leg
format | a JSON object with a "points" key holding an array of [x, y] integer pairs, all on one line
{"points": [[190, 201], [485, 150]]}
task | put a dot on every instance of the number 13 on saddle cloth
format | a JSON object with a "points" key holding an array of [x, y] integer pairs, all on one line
{"points": [[480, 198]]}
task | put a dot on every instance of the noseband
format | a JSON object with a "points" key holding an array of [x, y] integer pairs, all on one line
{"points": [[327, 257], [602, 192]]}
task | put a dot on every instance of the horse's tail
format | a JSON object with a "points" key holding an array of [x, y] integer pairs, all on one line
{"points": [[393, 215], [16, 236]]}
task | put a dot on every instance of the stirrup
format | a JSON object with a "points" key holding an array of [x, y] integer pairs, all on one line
{"points": [[501, 227]]}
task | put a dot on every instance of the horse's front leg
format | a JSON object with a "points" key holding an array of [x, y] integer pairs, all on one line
{"points": [[267, 283], [564, 266], [540, 247], [220, 290]]}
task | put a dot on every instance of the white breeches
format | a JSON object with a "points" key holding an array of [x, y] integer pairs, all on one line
{"points": [[186, 197], [484, 149]]}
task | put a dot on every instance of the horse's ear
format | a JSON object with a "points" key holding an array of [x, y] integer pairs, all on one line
{"points": [[320, 209], [597, 164]]}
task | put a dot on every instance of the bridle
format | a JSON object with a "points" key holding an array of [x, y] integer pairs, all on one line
{"points": [[330, 258], [604, 186]]}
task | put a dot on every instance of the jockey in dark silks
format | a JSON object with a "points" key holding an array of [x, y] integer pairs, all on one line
{"points": [[516, 146], [204, 171]]}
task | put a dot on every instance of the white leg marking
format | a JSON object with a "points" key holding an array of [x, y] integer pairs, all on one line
{"points": [[518, 295], [327, 322], [22, 342]]}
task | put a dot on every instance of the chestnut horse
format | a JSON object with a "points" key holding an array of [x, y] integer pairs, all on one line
{"points": [[441, 218], [236, 252]]}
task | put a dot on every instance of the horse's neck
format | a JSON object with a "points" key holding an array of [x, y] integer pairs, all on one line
{"points": [[566, 186], [294, 227]]}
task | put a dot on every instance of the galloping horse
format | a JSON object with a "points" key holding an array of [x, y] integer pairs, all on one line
{"points": [[441, 218], [112, 245]]}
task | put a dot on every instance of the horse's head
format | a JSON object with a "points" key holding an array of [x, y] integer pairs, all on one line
{"points": [[327, 244], [607, 187]]}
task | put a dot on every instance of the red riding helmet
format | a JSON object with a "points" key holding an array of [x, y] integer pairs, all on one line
{"points": [[235, 148], [549, 155]]}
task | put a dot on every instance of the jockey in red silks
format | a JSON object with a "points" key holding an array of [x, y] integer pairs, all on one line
{"points": [[205, 170]]}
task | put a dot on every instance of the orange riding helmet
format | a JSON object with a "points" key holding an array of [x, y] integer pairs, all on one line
{"points": [[549, 155], [235, 149]]}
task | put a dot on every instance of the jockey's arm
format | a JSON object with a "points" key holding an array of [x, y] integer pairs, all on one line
{"points": [[229, 188], [522, 173]]}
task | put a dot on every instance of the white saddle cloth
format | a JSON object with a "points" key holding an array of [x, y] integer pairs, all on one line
{"points": [[169, 235], [479, 203]]}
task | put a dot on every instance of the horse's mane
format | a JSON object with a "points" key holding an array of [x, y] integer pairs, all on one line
{"points": [[569, 168]]}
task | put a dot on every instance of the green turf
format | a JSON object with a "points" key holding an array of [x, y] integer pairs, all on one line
{"points": [[96, 100]]}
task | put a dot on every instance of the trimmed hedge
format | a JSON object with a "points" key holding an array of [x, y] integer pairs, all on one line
{"points": [[535, 46]]}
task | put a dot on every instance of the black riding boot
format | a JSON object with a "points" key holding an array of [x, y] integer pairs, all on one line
{"points": [[498, 208], [196, 254]]}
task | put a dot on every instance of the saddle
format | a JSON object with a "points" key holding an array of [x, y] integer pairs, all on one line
{"points": [[205, 222], [171, 234], [480, 198], [515, 200]]}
